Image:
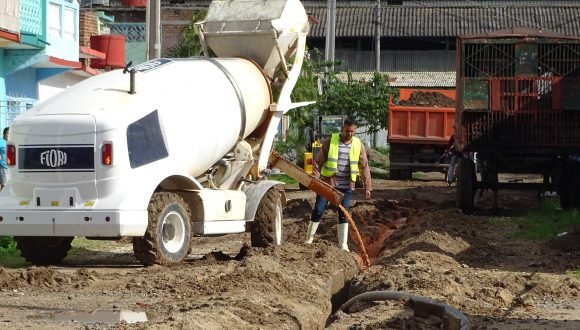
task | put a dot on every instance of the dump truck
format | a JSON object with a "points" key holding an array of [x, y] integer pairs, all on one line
{"points": [[419, 128], [165, 150], [519, 109]]}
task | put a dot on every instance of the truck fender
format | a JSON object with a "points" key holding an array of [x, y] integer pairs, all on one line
{"points": [[254, 194]]}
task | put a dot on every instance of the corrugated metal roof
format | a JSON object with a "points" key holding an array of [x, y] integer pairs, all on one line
{"points": [[447, 3], [409, 79], [426, 21]]}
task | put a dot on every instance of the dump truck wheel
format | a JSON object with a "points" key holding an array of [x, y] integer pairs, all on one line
{"points": [[406, 174], [466, 184], [41, 250], [267, 225], [400, 154], [168, 236], [570, 189]]}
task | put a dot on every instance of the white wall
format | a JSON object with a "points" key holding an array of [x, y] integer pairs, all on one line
{"points": [[49, 87]]}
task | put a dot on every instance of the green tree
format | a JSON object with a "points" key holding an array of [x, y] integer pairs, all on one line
{"points": [[189, 45], [365, 101]]}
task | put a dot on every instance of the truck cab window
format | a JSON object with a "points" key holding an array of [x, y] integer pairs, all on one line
{"points": [[145, 142]]}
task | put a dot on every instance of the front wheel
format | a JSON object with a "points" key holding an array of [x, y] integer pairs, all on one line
{"points": [[168, 236], [43, 250], [267, 225]]}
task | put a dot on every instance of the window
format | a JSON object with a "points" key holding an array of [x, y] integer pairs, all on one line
{"points": [[145, 141], [69, 24], [54, 20]]}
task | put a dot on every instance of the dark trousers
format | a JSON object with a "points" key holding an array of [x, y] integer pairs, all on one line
{"points": [[321, 204]]}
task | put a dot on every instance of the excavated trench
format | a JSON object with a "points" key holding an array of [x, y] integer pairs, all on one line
{"points": [[375, 222]]}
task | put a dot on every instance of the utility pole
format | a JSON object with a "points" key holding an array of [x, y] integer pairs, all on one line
{"points": [[378, 37], [330, 32], [153, 24]]}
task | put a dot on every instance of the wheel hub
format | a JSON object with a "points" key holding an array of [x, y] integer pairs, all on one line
{"points": [[168, 232]]}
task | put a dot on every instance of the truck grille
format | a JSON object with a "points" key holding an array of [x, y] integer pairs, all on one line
{"points": [[61, 158]]}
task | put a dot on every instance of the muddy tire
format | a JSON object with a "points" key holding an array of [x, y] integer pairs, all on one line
{"points": [[465, 184], [266, 229], [168, 237], [570, 187], [41, 250]]}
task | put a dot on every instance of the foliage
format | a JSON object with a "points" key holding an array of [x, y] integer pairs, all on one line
{"points": [[383, 150], [7, 242], [547, 221], [9, 254], [189, 45], [365, 101], [282, 178], [374, 163], [292, 147]]}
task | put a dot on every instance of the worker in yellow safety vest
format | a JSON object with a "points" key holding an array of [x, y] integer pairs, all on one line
{"points": [[338, 163]]}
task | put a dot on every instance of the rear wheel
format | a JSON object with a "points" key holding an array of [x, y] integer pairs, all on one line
{"points": [[400, 153], [168, 236], [267, 225], [41, 250], [570, 186], [466, 184]]}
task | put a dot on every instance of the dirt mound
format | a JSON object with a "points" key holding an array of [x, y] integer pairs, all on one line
{"points": [[441, 255], [428, 99], [298, 208], [40, 277]]}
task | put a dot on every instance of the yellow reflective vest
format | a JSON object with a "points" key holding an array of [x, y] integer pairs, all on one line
{"points": [[330, 168]]}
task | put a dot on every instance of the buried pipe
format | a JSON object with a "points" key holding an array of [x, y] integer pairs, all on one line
{"points": [[455, 318]]}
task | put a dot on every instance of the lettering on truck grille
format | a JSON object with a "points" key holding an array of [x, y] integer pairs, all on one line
{"points": [[56, 158]]}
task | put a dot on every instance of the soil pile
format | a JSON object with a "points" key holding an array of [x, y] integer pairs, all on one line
{"points": [[472, 264], [428, 99]]}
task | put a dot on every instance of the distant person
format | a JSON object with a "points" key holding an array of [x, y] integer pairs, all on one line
{"points": [[3, 167], [451, 151], [340, 158]]}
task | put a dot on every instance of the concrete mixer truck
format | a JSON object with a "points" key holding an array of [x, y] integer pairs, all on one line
{"points": [[164, 150]]}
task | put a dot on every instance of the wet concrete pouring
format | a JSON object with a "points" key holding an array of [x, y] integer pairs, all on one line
{"points": [[418, 243]]}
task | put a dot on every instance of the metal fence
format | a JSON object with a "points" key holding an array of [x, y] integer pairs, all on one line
{"points": [[11, 108]]}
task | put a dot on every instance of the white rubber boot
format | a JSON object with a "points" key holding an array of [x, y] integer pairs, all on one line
{"points": [[312, 226], [342, 234]]}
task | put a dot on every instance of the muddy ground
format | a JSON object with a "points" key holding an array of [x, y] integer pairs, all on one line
{"points": [[418, 241]]}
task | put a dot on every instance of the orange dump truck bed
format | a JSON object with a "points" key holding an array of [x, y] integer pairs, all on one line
{"points": [[423, 123]]}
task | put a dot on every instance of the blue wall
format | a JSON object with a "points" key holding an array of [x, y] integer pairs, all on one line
{"points": [[23, 83]]}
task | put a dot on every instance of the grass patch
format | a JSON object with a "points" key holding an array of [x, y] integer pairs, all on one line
{"points": [[282, 178], [574, 273], [419, 175], [546, 221], [80, 245]]}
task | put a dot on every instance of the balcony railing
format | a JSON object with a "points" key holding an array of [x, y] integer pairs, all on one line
{"points": [[11, 108], [32, 14], [133, 32]]}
